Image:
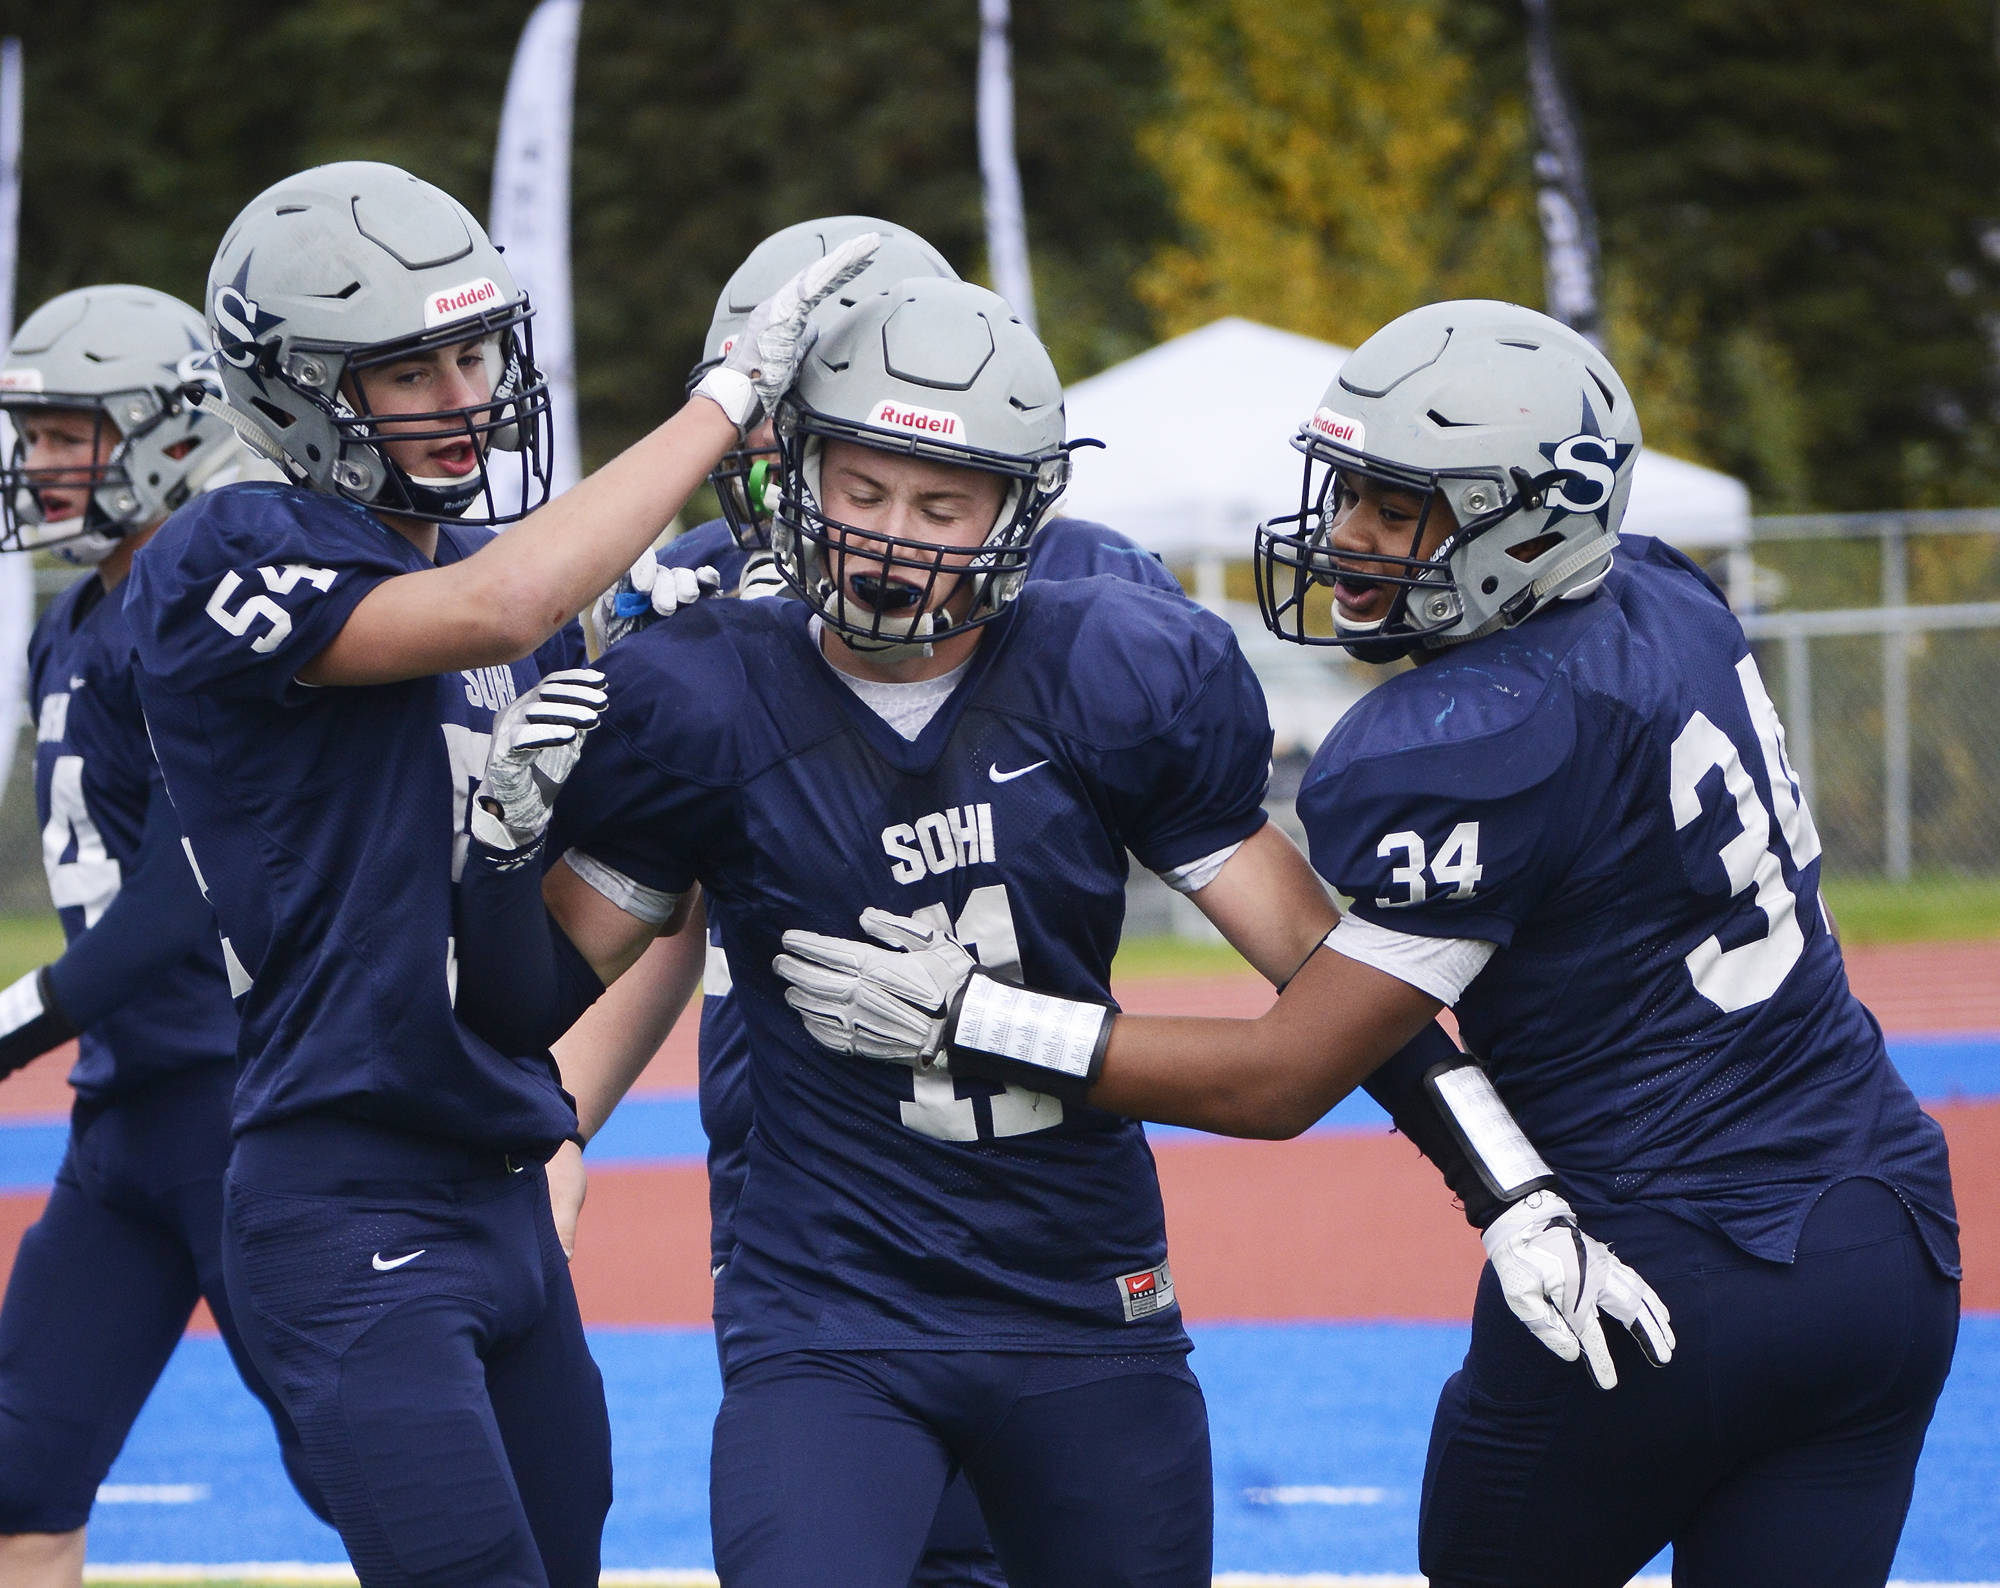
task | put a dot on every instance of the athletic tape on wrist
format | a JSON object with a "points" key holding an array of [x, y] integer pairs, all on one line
{"points": [[1505, 1159], [1055, 1045]]}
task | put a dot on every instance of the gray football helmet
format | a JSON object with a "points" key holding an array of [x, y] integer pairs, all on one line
{"points": [[125, 356], [1519, 425], [933, 369], [746, 480], [348, 267]]}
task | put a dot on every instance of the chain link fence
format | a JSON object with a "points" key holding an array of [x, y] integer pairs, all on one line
{"points": [[1879, 639]]}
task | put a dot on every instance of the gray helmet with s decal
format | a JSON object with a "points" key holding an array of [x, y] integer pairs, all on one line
{"points": [[1516, 423], [356, 265]]}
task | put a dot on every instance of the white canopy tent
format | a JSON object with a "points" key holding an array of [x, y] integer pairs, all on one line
{"points": [[1198, 449], [1198, 435]]}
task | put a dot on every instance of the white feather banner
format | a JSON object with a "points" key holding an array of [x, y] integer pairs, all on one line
{"points": [[530, 214], [17, 573], [1006, 220]]}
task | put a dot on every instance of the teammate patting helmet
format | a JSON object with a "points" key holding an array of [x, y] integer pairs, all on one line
{"points": [[106, 439], [1519, 440], [746, 482]]}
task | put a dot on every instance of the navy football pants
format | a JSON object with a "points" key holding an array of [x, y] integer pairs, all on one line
{"points": [[1092, 1471], [408, 1301], [102, 1288], [959, 1551], [1778, 1448]]}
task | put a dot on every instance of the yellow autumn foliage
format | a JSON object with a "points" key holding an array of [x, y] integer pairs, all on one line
{"points": [[1332, 164]]}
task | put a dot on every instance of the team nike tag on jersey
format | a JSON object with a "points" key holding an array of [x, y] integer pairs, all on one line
{"points": [[1147, 1292]]}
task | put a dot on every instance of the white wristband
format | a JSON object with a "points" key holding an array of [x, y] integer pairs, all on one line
{"points": [[1505, 1158], [1056, 1035]]}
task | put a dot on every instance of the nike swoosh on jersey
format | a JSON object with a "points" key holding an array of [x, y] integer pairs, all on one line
{"points": [[382, 1267], [999, 776]]}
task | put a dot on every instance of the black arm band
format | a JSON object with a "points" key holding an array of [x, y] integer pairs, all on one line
{"points": [[1407, 1087], [521, 981], [38, 1021], [1048, 1044]]}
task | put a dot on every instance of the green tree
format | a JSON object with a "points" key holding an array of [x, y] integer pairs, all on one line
{"points": [[699, 130], [1810, 186], [1333, 163]]}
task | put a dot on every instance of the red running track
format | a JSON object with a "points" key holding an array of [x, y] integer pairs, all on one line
{"points": [[1347, 1226]]}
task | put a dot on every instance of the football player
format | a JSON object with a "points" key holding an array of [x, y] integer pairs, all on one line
{"points": [[106, 444], [323, 663], [926, 1275], [1574, 822], [738, 546]]}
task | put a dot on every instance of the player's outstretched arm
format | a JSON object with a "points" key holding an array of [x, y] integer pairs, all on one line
{"points": [[920, 999], [157, 919], [499, 604]]}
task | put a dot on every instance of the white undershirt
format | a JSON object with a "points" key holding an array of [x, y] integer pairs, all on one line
{"points": [[908, 708], [1441, 966]]}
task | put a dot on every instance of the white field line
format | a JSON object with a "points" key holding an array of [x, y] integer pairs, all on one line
{"points": [[1315, 1494], [151, 1493], [284, 1574]]}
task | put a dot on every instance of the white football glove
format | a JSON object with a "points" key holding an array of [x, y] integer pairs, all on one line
{"points": [[888, 1003], [536, 742], [760, 366], [1558, 1279], [761, 578], [648, 590]]}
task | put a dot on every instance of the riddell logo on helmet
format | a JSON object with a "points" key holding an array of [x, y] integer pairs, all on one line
{"points": [[1338, 427], [467, 298], [925, 421], [20, 380]]}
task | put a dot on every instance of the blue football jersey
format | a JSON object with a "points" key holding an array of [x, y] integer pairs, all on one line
{"points": [[94, 777], [1064, 548], [1603, 793], [329, 825], [883, 1209]]}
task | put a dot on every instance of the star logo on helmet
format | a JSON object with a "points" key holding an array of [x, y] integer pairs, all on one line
{"points": [[239, 322], [1590, 461]]}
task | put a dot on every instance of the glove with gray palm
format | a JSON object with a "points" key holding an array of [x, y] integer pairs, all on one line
{"points": [[891, 1003], [536, 742], [762, 363], [646, 591], [920, 999]]}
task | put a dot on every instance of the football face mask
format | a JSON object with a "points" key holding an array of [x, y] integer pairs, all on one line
{"points": [[65, 461], [1302, 575], [449, 453], [882, 591]]}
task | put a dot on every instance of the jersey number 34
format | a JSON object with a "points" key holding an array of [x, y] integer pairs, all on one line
{"points": [[1736, 978]]}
